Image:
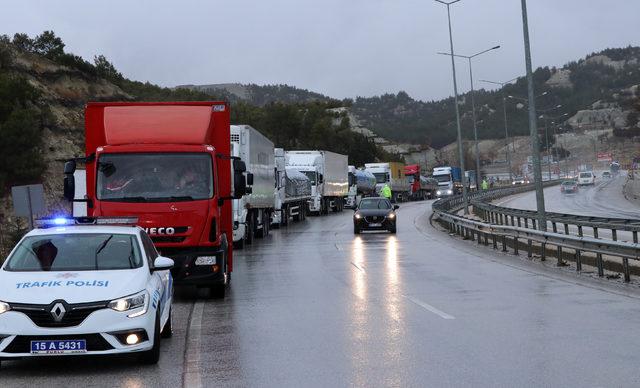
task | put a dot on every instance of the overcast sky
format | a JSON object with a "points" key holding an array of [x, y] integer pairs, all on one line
{"points": [[342, 48]]}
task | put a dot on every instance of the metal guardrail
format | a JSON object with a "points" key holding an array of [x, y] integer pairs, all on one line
{"points": [[515, 226]]}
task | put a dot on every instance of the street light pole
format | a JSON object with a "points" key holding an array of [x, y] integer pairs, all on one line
{"points": [[506, 128], [465, 197], [473, 107], [533, 125]]}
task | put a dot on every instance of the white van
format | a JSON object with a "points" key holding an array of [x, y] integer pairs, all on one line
{"points": [[586, 178]]}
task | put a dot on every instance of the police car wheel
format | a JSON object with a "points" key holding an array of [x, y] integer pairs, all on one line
{"points": [[152, 356], [167, 330]]}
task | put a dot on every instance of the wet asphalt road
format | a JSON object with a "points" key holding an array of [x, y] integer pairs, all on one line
{"points": [[312, 305], [604, 199]]}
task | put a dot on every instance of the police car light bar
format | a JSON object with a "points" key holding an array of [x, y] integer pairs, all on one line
{"points": [[62, 221]]}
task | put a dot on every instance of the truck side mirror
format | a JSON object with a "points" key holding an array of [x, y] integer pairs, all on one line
{"points": [[320, 178], [249, 179], [239, 180], [69, 188], [69, 167]]}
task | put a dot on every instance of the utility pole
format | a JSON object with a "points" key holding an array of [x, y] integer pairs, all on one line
{"points": [[465, 196], [533, 125]]}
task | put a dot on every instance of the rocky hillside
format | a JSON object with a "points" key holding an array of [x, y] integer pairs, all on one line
{"points": [[260, 95], [599, 89]]}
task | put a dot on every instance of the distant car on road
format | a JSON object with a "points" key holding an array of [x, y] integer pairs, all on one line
{"points": [[375, 213], [586, 178], [569, 187], [69, 289], [606, 175], [520, 180]]}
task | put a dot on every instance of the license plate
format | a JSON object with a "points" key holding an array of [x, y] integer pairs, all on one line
{"points": [[58, 346], [377, 225]]}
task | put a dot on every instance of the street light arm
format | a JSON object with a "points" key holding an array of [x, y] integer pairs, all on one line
{"points": [[447, 3], [482, 52]]}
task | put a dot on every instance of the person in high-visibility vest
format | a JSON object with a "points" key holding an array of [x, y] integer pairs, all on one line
{"points": [[386, 191], [485, 184]]}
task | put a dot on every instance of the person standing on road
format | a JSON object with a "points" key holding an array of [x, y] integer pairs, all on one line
{"points": [[485, 184], [386, 191]]}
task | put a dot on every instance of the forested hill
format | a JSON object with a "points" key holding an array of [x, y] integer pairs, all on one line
{"points": [[608, 76], [260, 95]]}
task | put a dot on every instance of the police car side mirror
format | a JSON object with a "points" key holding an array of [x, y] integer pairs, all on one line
{"points": [[162, 263]]}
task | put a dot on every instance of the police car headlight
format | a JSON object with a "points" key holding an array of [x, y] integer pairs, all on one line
{"points": [[139, 301], [4, 307]]}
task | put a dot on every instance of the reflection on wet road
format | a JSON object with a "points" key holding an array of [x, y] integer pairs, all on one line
{"points": [[314, 305]]}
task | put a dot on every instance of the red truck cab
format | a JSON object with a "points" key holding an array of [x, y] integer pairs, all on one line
{"points": [[412, 172], [169, 165]]}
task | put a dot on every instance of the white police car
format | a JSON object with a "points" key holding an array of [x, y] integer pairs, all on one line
{"points": [[77, 288]]}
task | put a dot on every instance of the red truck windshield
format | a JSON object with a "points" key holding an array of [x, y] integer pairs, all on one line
{"points": [[154, 177]]}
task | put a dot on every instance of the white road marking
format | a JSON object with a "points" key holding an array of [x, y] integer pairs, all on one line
{"points": [[192, 377], [428, 307]]}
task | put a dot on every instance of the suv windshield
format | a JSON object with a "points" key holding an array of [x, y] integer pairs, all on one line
{"points": [[585, 175], [75, 252], [154, 177], [375, 204]]}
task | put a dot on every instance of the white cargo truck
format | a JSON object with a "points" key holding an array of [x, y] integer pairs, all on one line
{"points": [[392, 174], [252, 213], [293, 192], [328, 174]]}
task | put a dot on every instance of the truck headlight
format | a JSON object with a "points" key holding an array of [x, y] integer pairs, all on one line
{"points": [[132, 302], [438, 192], [4, 307]]}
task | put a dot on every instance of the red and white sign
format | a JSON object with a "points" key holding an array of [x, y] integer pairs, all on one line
{"points": [[604, 157]]}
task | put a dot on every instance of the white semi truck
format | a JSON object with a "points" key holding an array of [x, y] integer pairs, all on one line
{"points": [[252, 213], [328, 174], [392, 174], [293, 192]]}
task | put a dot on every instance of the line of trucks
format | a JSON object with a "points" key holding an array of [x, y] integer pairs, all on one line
{"points": [[200, 186]]}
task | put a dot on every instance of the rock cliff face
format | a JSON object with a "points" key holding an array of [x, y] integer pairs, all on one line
{"points": [[63, 92]]}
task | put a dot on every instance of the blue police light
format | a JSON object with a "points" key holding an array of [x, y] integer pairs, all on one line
{"points": [[61, 221]]}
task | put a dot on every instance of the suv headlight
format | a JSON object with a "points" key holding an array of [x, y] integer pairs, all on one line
{"points": [[139, 301], [391, 215], [358, 216], [4, 307]]}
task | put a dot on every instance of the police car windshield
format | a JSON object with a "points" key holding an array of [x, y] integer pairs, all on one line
{"points": [[154, 177], [374, 204], [75, 252]]}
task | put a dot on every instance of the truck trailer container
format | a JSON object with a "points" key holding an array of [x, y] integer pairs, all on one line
{"points": [[169, 165], [252, 213], [327, 172]]}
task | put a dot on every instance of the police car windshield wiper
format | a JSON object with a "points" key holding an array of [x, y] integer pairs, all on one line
{"points": [[100, 248]]}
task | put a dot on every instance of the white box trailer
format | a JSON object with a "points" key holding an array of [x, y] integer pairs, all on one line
{"points": [[328, 173], [252, 213], [293, 192]]}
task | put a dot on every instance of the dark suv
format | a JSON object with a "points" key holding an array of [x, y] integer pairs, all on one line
{"points": [[374, 214]]}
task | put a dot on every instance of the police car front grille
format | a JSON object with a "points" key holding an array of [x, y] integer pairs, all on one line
{"points": [[22, 343], [75, 314]]}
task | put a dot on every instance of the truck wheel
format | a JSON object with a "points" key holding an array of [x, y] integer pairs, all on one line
{"points": [[260, 232], [152, 356]]}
